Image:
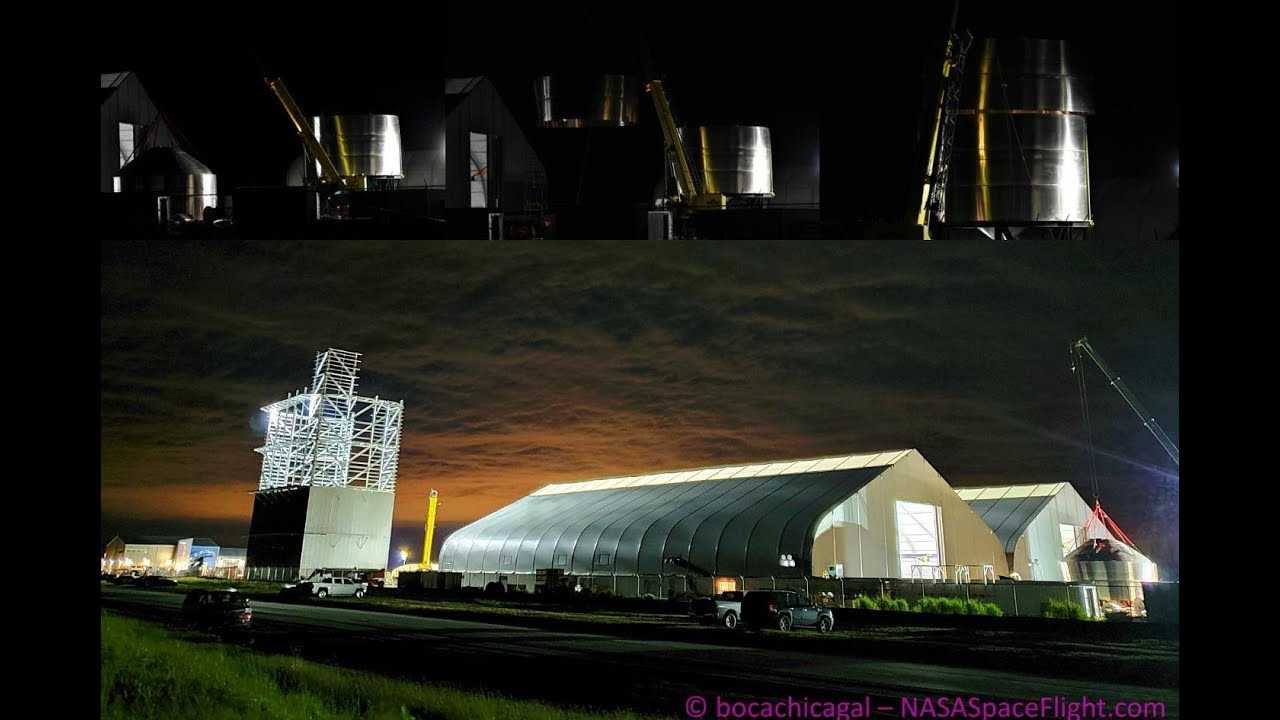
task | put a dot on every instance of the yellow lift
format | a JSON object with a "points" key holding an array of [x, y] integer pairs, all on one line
{"points": [[689, 195], [429, 531], [329, 171]]}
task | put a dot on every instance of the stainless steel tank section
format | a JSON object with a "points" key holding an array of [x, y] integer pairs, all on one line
{"points": [[1021, 152], [164, 171], [363, 147], [549, 95], [615, 102], [1117, 570], [601, 101], [735, 160]]}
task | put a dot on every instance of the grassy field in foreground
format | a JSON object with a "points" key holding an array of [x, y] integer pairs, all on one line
{"points": [[149, 671]]}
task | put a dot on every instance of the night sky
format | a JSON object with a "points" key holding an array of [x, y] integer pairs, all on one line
{"points": [[526, 364]]}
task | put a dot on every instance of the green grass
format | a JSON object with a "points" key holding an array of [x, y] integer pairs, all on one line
{"points": [[152, 672], [187, 583]]}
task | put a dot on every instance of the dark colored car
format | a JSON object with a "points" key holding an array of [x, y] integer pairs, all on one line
{"points": [[783, 610], [301, 589], [217, 608], [154, 581]]}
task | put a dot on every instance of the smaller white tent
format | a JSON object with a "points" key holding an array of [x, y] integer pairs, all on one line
{"points": [[1038, 525]]}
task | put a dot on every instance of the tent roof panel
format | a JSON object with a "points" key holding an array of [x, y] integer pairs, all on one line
{"points": [[1010, 509], [769, 469]]}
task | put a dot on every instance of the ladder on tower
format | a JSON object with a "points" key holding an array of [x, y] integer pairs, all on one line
{"points": [[958, 47]]}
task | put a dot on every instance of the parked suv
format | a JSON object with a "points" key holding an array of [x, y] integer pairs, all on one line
{"points": [[217, 608], [784, 610], [328, 586]]}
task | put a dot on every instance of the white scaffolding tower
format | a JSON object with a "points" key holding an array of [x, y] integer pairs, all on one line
{"points": [[326, 435]]}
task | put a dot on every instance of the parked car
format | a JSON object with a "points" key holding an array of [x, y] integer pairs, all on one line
{"points": [[784, 610], [218, 608], [724, 609], [298, 589], [155, 581]]}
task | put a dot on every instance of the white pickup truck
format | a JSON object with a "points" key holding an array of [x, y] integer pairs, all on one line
{"points": [[724, 609], [328, 586]]}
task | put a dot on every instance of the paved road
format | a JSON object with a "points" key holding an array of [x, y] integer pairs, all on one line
{"points": [[654, 676]]}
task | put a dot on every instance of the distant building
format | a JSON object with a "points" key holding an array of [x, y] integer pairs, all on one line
{"points": [[196, 555], [149, 553], [231, 563], [130, 123], [172, 555]]}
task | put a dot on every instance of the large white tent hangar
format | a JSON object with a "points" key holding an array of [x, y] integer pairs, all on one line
{"points": [[883, 514]]}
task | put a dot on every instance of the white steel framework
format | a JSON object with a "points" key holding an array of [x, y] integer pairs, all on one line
{"points": [[327, 435]]}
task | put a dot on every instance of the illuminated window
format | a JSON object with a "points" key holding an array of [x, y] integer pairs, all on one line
{"points": [[128, 138], [726, 584], [479, 170], [919, 538], [1070, 537]]}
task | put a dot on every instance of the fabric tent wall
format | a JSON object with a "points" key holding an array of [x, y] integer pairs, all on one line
{"points": [[867, 543]]}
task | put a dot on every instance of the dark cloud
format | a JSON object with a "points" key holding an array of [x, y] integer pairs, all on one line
{"points": [[522, 364]]}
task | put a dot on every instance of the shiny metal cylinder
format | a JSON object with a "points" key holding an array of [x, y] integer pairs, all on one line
{"points": [[734, 160], [615, 102], [548, 94], [1116, 569], [601, 101], [361, 146], [1021, 154], [188, 183]]}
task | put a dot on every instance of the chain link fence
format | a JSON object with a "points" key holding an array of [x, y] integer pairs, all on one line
{"points": [[1019, 598]]}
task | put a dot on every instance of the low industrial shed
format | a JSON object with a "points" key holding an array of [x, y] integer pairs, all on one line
{"points": [[868, 515], [1038, 525]]}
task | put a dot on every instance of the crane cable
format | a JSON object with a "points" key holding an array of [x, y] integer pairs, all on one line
{"points": [[1078, 368]]}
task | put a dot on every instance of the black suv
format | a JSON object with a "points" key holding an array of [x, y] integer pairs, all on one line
{"points": [[783, 610], [217, 608]]}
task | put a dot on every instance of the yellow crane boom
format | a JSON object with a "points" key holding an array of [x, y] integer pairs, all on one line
{"points": [[328, 170], [429, 531], [687, 191]]}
